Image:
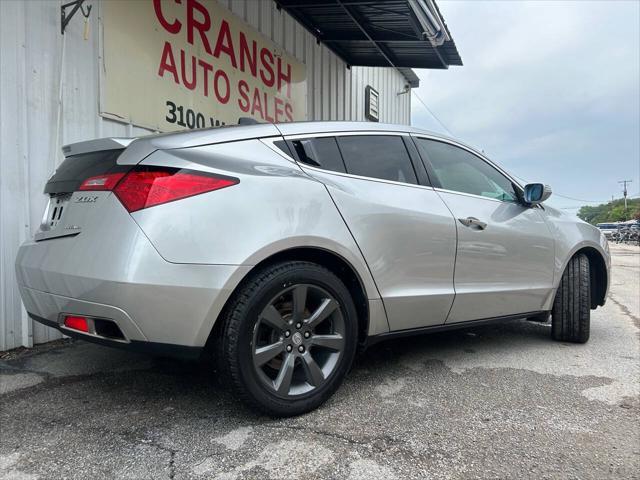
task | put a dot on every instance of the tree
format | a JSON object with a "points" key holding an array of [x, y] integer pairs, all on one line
{"points": [[610, 212]]}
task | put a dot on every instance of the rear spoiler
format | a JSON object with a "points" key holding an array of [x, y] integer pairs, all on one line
{"points": [[99, 144], [76, 168]]}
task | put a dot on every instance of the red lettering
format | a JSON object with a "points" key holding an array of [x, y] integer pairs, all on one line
{"points": [[202, 26], [207, 68], [216, 86], [288, 110], [243, 89], [251, 57], [257, 103], [286, 78], [224, 43], [168, 63], [191, 85], [267, 117], [279, 110], [266, 57], [169, 27]]}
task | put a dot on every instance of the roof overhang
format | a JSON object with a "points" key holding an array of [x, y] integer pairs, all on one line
{"points": [[395, 33]]}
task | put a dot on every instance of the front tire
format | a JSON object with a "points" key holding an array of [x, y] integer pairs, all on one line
{"points": [[289, 338], [571, 314]]}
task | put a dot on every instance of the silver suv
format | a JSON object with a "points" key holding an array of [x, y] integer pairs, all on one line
{"points": [[283, 249]]}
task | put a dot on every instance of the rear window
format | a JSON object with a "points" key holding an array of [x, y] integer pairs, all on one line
{"points": [[377, 156]]}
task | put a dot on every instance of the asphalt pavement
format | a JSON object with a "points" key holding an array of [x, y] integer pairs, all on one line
{"points": [[489, 402]]}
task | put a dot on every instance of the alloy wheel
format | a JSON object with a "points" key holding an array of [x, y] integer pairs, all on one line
{"points": [[298, 340]]}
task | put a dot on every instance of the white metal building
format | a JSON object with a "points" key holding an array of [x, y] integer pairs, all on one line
{"points": [[354, 60]]}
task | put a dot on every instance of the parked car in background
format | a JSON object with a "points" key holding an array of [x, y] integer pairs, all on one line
{"points": [[282, 249], [608, 229], [627, 232]]}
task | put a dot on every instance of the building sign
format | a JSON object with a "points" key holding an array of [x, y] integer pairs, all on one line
{"points": [[170, 65], [371, 104]]}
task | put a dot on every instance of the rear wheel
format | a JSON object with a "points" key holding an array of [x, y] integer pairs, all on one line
{"points": [[571, 314], [289, 337]]}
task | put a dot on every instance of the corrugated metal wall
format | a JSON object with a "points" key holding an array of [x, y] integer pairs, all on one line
{"points": [[34, 123]]}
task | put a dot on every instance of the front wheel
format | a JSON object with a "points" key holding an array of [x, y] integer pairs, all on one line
{"points": [[571, 314], [289, 338]]}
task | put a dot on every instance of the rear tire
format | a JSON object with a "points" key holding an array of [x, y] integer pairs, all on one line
{"points": [[288, 338], [571, 314]]}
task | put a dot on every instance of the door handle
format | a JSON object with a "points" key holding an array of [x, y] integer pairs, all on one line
{"points": [[473, 222]]}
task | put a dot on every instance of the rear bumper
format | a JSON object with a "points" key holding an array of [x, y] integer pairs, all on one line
{"points": [[152, 348], [110, 270], [49, 309]]}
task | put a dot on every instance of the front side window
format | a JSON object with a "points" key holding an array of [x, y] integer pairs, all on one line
{"points": [[377, 156], [460, 171], [320, 152]]}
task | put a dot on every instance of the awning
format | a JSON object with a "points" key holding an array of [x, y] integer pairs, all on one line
{"points": [[401, 33]]}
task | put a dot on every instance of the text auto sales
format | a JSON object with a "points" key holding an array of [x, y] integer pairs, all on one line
{"points": [[243, 55]]}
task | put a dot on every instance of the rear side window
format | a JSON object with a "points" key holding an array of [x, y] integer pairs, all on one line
{"points": [[377, 156], [320, 152], [282, 146]]}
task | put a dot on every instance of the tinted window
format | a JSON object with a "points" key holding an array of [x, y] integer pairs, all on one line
{"points": [[320, 152], [377, 156], [282, 145], [458, 170]]}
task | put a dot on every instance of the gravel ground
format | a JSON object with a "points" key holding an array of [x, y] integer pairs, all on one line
{"points": [[492, 402]]}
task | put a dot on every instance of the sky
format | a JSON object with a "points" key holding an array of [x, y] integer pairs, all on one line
{"points": [[550, 90]]}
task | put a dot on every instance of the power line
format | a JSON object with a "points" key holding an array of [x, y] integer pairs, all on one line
{"points": [[624, 185], [624, 192], [565, 196], [520, 178], [581, 199], [432, 114]]}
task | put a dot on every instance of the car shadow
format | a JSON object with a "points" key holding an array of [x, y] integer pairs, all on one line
{"points": [[144, 387], [488, 338]]}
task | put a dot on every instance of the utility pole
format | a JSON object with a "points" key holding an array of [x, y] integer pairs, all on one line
{"points": [[624, 192]]}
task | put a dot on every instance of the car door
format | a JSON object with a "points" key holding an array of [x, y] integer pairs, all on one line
{"points": [[505, 256], [404, 230]]}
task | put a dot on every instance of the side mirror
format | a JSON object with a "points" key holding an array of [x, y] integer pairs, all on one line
{"points": [[535, 193]]}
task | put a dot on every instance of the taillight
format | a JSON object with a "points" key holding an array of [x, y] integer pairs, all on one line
{"points": [[102, 182], [145, 187]]}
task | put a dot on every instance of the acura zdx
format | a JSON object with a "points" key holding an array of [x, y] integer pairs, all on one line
{"points": [[283, 249]]}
